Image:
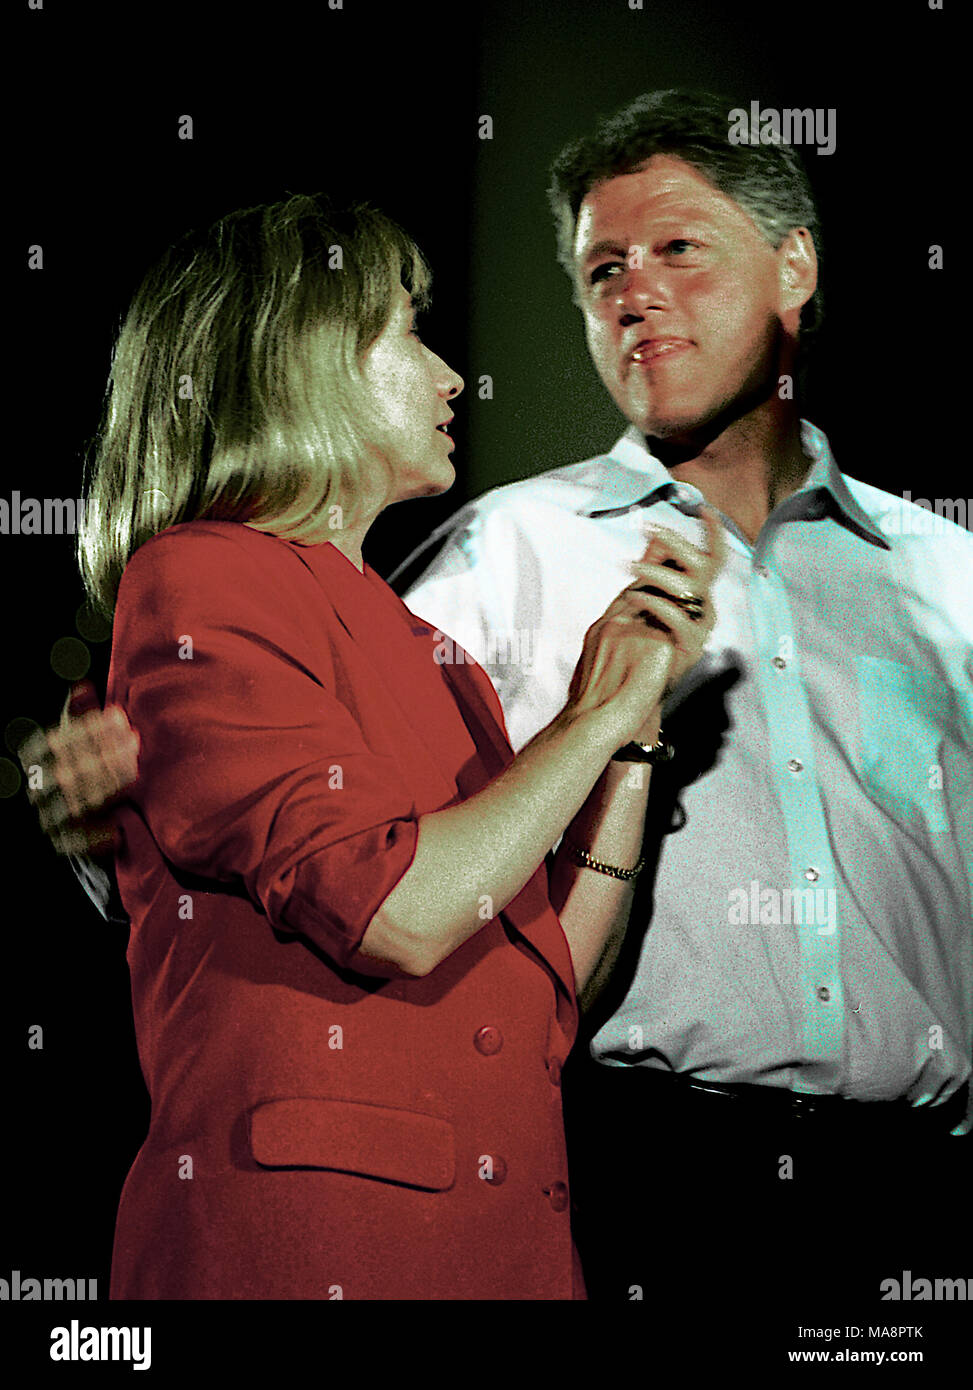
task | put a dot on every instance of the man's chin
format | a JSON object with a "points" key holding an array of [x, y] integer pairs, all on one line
{"points": [[672, 428], [695, 425], [692, 430]]}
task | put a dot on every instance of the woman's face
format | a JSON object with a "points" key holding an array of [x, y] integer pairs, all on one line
{"points": [[411, 388]]}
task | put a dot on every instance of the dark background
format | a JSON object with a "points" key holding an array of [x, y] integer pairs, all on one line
{"points": [[382, 100]]}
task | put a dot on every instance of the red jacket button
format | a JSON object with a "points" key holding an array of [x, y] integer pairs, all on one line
{"points": [[493, 1168], [557, 1195], [488, 1040]]}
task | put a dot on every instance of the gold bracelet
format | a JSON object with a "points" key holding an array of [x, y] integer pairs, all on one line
{"points": [[582, 857]]}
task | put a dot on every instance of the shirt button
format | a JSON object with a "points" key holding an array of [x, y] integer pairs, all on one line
{"points": [[824, 994], [557, 1195], [762, 570], [554, 1071], [488, 1040], [795, 765], [686, 493], [779, 662], [812, 875], [499, 1169]]}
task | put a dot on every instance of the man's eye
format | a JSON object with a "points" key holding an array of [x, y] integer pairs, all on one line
{"points": [[603, 272], [680, 244]]}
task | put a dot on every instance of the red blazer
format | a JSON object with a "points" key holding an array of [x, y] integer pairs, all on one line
{"points": [[317, 1132]]}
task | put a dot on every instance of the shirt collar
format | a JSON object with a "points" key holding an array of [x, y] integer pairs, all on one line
{"points": [[630, 476], [824, 478]]}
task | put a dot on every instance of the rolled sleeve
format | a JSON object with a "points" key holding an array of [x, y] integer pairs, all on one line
{"points": [[252, 770]]}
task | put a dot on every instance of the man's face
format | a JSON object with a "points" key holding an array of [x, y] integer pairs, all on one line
{"points": [[696, 330]]}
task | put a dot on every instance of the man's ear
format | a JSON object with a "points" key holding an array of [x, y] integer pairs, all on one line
{"points": [[798, 270]]}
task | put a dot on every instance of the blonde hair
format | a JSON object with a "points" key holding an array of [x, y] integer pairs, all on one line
{"points": [[235, 391]]}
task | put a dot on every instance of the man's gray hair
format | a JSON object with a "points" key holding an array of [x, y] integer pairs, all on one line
{"points": [[767, 180]]}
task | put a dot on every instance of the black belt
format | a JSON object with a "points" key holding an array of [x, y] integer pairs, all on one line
{"points": [[778, 1103]]}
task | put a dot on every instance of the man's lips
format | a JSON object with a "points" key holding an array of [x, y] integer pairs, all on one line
{"points": [[651, 349]]}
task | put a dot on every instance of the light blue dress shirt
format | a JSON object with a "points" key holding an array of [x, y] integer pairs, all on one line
{"points": [[812, 924]]}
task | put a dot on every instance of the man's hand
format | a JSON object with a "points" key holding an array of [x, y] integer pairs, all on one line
{"points": [[86, 762]]}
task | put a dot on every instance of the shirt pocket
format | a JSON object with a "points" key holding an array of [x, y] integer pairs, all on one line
{"points": [[904, 712]]}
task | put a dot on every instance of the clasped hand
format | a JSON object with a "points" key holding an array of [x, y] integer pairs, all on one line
{"points": [[651, 634]]}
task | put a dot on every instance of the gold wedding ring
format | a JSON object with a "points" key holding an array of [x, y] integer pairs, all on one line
{"points": [[694, 606]]}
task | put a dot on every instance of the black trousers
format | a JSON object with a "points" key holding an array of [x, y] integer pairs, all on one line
{"points": [[699, 1202]]}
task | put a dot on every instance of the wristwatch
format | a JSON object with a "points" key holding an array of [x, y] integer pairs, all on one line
{"points": [[659, 752]]}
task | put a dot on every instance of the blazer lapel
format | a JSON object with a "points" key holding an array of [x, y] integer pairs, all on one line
{"points": [[385, 632], [393, 638], [485, 729]]}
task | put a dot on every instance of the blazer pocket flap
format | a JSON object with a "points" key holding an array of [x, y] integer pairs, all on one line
{"points": [[377, 1141]]}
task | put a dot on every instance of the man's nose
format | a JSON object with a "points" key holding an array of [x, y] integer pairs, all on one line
{"points": [[639, 289]]}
